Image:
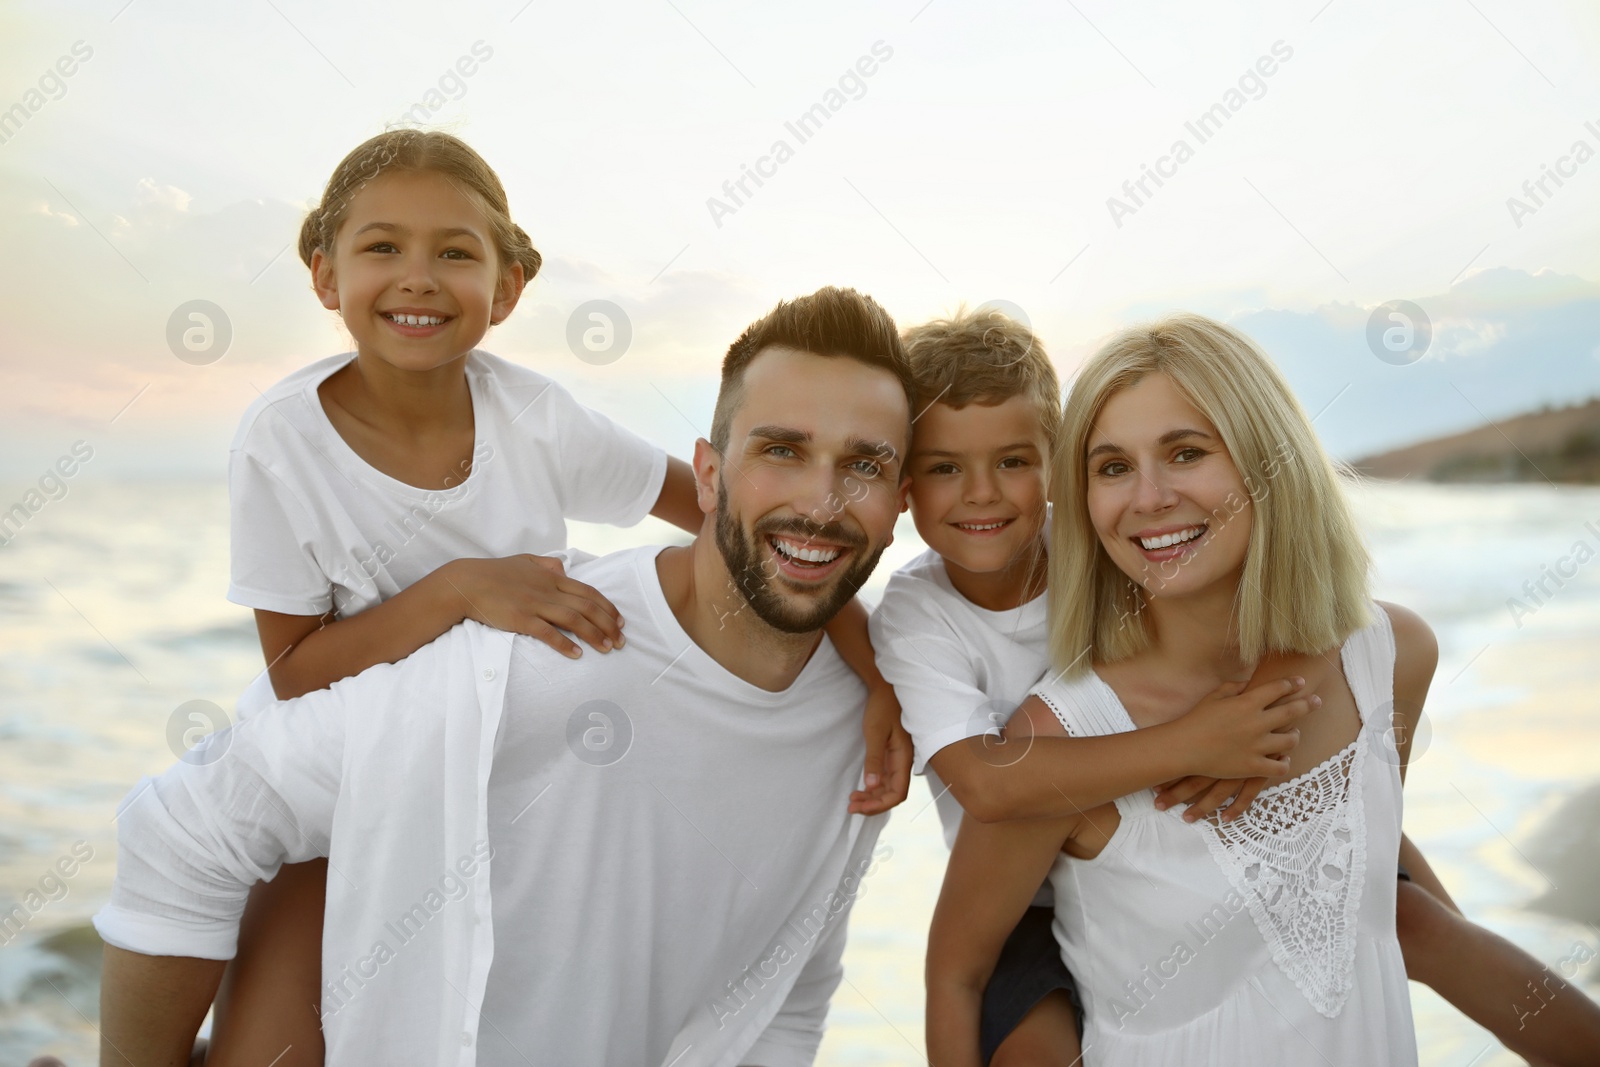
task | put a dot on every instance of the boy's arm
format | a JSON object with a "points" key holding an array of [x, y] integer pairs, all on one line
{"points": [[678, 502], [1036, 772], [888, 763], [994, 871]]}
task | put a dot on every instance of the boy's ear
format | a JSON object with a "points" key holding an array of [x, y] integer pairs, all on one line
{"points": [[323, 280], [506, 294], [707, 462]]}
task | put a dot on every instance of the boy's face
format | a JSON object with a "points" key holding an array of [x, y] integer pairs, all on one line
{"points": [[979, 483]]}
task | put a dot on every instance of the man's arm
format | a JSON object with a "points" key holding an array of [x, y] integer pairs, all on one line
{"points": [[152, 1006]]}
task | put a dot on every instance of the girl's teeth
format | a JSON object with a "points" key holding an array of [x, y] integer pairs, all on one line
{"points": [[417, 320], [1168, 540], [980, 526]]}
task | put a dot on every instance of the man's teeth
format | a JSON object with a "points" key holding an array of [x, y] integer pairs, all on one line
{"points": [[1168, 540], [416, 320], [792, 550], [981, 525]]}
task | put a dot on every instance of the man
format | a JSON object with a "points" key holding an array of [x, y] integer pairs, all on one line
{"points": [[636, 858]]}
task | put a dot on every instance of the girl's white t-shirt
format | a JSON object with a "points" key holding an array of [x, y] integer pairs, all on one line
{"points": [[315, 527]]}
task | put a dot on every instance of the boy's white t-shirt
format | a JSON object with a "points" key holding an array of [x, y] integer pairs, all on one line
{"points": [[315, 527], [959, 670]]}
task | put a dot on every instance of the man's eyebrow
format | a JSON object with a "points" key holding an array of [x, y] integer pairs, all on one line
{"points": [[1165, 439], [877, 449], [785, 434]]}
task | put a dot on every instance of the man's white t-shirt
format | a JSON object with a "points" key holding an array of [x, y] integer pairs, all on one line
{"points": [[959, 670], [635, 857], [315, 527]]}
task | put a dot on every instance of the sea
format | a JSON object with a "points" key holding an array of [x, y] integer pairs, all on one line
{"points": [[117, 648]]}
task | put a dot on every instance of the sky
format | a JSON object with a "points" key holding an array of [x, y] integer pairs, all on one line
{"points": [[1356, 154]]}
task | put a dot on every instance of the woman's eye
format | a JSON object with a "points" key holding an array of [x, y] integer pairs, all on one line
{"points": [[1112, 468], [1189, 455]]}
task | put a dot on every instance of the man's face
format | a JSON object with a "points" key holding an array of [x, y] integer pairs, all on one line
{"points": [[807, 492]]}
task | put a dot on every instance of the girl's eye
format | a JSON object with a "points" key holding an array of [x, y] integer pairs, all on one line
{"points": [[457, 253], [381, 246], [1013, 462], [942, 468]]}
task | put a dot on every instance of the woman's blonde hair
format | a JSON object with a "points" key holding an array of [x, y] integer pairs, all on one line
{"points": [[1304, 587], [403, 150]]}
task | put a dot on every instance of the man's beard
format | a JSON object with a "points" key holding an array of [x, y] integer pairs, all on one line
{"points": [[743, 558]]}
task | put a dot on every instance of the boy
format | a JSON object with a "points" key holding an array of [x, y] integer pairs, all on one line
{"points": [[961, 634]]}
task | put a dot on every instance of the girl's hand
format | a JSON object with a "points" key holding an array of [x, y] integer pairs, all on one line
{"points": [[888, 763], [532, 595]]}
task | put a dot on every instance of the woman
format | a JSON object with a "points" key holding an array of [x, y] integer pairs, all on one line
{"points": [[1199, 529]]}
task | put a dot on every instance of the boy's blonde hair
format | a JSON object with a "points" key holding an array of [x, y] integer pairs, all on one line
{"points": [[983, 357], [1304, 586]]}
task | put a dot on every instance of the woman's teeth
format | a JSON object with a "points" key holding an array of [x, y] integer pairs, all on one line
{"points": [[1168, 540], [792, 550]]}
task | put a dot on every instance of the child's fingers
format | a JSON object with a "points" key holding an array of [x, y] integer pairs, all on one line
{"points": [[540, 630], [588, 593], [580, 618], [549, 563], [1247, 796], [1285, 715], [1212, 799], [1270, 693], [1183, 791]]}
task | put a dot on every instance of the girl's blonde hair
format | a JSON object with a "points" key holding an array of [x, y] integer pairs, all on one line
{"points": [[1304, 586], [419, 150]]}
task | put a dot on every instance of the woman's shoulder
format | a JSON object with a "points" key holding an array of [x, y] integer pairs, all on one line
{"points": [[1416, 649]]}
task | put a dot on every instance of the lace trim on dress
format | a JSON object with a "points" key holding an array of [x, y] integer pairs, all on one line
{"points": [[1298, 856]]}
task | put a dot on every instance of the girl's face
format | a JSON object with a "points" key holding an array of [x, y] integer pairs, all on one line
{"points": [[1164, 495], [414, 271]]}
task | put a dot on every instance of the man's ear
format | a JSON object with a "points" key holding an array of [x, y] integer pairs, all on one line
{"points": [[707, 465], [323, 280], [506, 294]]}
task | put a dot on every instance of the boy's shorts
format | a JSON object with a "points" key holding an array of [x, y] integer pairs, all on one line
{"points": [[1029, 969]]}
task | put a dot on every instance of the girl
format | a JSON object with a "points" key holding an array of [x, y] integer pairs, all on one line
{"points": [[1200, 528], [380, 499]]}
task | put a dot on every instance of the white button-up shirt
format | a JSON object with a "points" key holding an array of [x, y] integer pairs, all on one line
{"points": [[668, 847]]}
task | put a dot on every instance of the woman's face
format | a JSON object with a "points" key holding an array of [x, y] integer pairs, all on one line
{"points": [[1164, 496]]}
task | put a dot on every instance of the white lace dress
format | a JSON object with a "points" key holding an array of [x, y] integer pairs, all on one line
{"points": [[1270, 940]]}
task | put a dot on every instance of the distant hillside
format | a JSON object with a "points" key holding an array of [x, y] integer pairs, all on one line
{"points": [[1561, 444]]}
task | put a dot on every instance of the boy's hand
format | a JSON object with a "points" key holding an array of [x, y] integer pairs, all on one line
{"points": [[532, 595], [1247, 733], [1206, 795], [888, 762]]}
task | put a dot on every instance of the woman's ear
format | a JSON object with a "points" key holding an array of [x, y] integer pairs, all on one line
{"points": [[323, 280]]}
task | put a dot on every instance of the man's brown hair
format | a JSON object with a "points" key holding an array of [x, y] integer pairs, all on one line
{"points": [[829, 322], [983, 357]]}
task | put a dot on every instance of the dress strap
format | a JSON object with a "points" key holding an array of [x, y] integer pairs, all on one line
{"points": [[1368, 658]]}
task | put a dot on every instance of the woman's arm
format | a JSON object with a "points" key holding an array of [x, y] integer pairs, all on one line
{"points": [[1416, 657], [995, 870]]}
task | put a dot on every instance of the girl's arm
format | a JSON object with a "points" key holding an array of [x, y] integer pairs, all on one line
{"points": [[678, 503], [888, 762], [995, 870], [524, 594]]}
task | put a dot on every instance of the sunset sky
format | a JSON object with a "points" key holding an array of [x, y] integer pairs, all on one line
{"points": [[978, 160]]}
